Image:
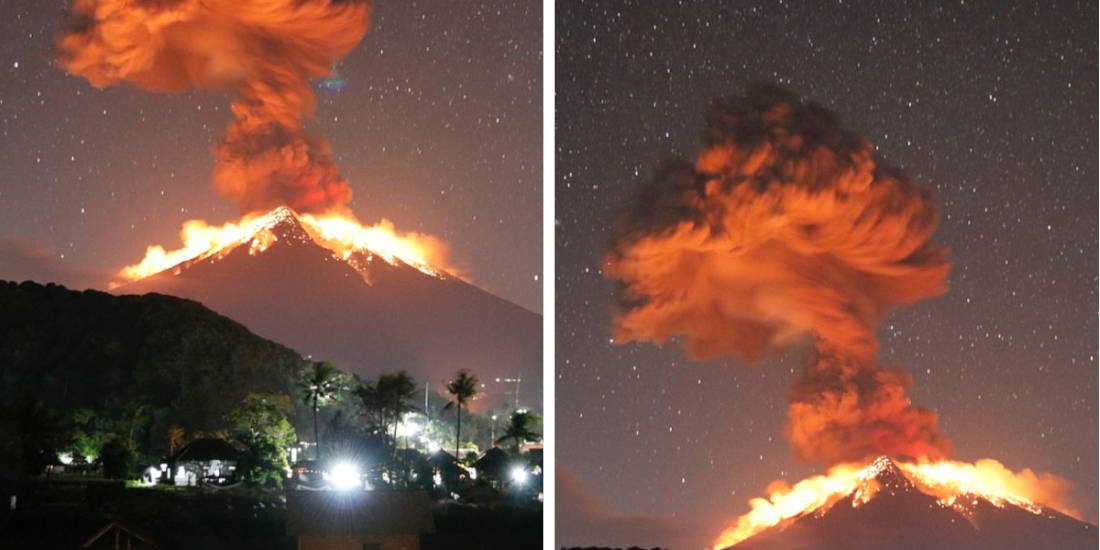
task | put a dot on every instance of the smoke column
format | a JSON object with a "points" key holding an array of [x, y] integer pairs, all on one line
{"points": [[265, 51], [786, 228]]}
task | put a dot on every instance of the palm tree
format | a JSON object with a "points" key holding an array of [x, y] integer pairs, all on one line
{"points": [[320, 383], [519, 430], [395, 391], [462, 389], [373, 404]]}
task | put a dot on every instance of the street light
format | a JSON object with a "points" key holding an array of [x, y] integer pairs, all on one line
{"points": [[344, 476], [519, 475]]}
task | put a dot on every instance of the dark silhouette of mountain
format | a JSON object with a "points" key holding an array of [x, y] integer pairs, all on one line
{"points": [[901, 517], [299, 293], [167, 360]]}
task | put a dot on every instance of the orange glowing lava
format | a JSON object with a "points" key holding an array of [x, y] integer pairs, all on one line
{"points": [[957, 485], [339, 233]]}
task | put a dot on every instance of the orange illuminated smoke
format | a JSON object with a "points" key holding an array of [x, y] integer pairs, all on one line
{"points": [[788, 229], [343, 235], [265, 51], [957, 485]]}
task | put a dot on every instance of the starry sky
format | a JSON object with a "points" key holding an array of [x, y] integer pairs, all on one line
{"points": [[991, 105], [438, 130]]}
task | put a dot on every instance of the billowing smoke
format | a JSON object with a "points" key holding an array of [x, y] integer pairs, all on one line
{"points": [[264, 50], [788, 228]]}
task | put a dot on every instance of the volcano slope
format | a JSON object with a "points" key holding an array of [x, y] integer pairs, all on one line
{"points": [[899, 516], [361, 312]]}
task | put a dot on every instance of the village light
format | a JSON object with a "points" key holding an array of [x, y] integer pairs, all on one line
{"points": [[344, 476], [519, 475]]}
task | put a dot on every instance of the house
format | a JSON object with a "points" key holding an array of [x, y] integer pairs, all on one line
{"points": [[358, 520], [447, 471], [493, 466], [204, 460]]}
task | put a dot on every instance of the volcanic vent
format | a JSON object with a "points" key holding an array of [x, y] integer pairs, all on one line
{"points": [[893, 505], [367, 303]]}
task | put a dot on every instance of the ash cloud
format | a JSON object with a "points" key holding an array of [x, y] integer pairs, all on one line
{"points": [[265, 51], [787, 227]]}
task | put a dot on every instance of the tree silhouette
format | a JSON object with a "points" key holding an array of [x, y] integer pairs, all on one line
{"points": [[462, 389], [175, 437], [395, 390], [519, 430], [320, 383], [374, 405]]}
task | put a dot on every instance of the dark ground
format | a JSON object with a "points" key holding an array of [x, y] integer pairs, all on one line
{"points": [[65, 514]]}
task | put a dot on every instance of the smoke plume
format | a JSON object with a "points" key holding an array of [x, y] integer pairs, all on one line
{"points": [[788, 227], [264, 50]]}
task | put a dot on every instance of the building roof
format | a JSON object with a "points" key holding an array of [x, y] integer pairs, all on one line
{"points": [[447, 463], [494, 462], [206, 448], [379, 512]]}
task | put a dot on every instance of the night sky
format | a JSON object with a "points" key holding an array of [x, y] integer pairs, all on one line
{"points": [[993, 107], [438, 130]]}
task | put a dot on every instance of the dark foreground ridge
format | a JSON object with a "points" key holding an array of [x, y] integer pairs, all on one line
{"points": [[64, 351]]}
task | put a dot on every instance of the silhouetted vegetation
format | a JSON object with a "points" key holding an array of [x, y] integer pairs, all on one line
{"points": [[145, 371], [123, 382]]}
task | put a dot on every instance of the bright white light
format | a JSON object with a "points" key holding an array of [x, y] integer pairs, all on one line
{"points": [[433, 446], [407, 429], [344, 476], [519, 475], [151, 475], [65, 458]]}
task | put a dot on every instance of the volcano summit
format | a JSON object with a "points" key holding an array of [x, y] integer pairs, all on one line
{"points": [[366, 309], [890, 506]]}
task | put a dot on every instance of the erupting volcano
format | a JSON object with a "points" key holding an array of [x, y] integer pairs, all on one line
{"points": [[365, 302], [888, 504], [788, 228], [344, 236], [298, 267]]}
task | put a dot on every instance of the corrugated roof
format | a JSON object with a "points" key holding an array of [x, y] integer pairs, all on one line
{"points": [[379, 512]]}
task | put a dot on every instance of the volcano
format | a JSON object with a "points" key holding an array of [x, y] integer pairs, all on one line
{"points": [[889, 510], [366, 312]]}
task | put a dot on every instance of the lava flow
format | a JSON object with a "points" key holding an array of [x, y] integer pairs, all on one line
{"points": [[956, 485], [341, 234]]}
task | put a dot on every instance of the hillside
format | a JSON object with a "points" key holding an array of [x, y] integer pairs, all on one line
{"points": [[87, 358], [360, 311]]}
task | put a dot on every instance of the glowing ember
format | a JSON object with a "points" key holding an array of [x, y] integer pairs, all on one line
{"points": [[342, 234], [957, 485]]}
